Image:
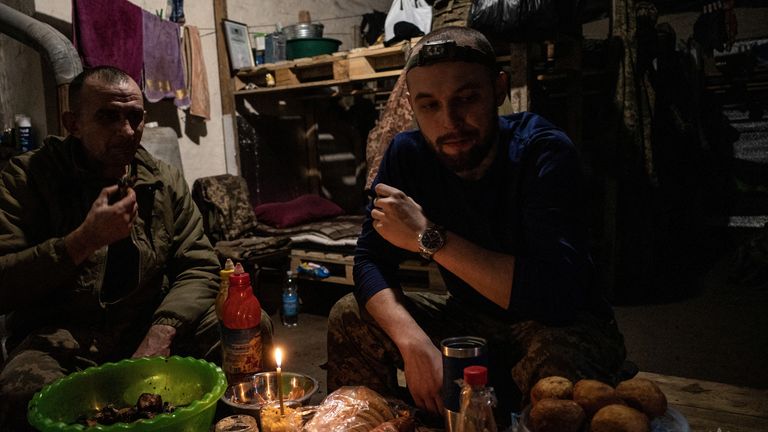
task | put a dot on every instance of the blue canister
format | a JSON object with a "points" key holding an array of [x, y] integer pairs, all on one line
{"points": [[458, 353]]}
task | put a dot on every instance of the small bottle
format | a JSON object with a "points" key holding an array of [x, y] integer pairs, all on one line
{"points": [[224, 273], [23, 133], [241, 329], [289, 312], [477, 402]]}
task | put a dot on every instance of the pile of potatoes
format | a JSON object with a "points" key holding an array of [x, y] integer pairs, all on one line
{"points": [[558, 405]]}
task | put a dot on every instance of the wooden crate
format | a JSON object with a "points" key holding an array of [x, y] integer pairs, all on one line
{"points": [[312, 70], [414, 274], [378, 61]]}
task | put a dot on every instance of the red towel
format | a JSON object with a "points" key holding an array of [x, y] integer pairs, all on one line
{"points": [[163, 73], [109, 32]]}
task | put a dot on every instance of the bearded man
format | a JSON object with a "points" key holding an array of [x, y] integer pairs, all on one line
{"points": [[497, 203]]}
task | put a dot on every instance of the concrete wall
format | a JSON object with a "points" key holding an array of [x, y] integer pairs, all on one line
{"points": [[26, 88]]}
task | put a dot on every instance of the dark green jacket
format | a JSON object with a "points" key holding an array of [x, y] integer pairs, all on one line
{"points": [[45, 194]]}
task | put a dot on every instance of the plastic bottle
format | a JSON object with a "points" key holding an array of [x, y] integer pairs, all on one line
{"points": [[477, 402], [23, 133], [240, 330], [224, 273], [289, 312]]}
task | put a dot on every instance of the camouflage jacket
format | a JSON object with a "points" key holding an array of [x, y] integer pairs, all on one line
{"points": [[45, 194]]}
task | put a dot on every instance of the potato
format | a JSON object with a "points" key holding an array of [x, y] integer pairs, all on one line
{"points": [[644, 395], [556, 415], [551, 387], [619, 418], [593, 395]]}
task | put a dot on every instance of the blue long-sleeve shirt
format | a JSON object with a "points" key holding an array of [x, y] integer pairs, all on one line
{"points": [[528, 204]]}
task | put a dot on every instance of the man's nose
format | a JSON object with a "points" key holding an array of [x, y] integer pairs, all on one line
{"points": [[453, 116]]}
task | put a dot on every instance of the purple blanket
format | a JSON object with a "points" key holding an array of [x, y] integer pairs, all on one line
{"points": [[109, 32], [163, 72]]}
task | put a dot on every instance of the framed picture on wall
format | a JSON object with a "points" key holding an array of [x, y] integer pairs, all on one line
{"points": [[238, 45]]}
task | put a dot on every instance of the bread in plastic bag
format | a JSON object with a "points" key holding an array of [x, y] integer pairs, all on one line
{"points": [[351, 409]]}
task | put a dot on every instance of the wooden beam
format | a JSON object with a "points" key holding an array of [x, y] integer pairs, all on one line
{"points": [[225, 74], [226, 89]]}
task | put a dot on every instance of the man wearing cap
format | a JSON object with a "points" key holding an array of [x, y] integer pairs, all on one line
{"points": [[497, 203]]}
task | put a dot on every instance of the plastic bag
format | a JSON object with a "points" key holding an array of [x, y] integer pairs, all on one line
{"points": [[416, 12], [523, 20], [347, 408]]}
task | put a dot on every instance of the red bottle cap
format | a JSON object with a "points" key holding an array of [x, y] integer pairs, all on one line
{"points": [[476, 375], [240, 276]]}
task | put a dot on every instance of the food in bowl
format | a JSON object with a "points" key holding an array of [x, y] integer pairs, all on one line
{"points": [[147, 407]]}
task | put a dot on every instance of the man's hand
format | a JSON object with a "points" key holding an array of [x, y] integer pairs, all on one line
{"points": [[424, 375], [105, 224], [157, 342], [397, 217]]}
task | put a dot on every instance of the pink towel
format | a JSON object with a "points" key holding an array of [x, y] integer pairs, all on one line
{"points": [[109, 32], [163, 73], [197, 77]]}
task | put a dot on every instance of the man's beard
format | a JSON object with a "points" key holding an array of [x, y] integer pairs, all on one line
{"points": [[466, 160]]}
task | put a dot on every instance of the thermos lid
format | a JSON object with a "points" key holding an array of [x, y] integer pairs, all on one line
{"points": [[476, 375]]}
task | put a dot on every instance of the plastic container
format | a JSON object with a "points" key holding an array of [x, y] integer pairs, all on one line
{"points": [[221, 297], [477, 402], [193, 385], [241, 329], [275, 47], [310, 47]]}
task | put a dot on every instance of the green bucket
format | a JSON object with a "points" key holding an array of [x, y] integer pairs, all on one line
{"points": [[310, 47]]}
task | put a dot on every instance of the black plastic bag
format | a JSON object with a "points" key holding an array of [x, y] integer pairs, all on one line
{"points": [[523, 20]]}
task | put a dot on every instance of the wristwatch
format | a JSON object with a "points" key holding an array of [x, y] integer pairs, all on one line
{"points": [[431, 240]]}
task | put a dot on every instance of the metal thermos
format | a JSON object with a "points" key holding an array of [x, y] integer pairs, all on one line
{"points": [[458, 353]]}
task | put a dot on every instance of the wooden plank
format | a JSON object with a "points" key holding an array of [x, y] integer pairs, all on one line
{"points": [[704, 420], [707, 395]]}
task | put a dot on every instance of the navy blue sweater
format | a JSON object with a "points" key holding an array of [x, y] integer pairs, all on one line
{"points": [[528, 204]]}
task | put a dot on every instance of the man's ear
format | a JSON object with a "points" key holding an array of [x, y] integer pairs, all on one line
{"points": [[502, 87], [70, 122]]}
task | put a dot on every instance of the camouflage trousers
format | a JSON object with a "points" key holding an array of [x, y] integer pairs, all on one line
{"points": [[51, 353], [520, 353]]}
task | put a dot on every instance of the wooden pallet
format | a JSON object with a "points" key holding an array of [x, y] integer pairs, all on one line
{"points": [[415, 275], [378, 61]]}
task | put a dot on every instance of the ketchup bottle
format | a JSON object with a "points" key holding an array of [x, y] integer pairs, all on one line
{"points": [[241, 330]]}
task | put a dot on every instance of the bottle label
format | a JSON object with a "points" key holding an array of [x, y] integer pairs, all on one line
{"points": [[290, 304], [241, 350]]}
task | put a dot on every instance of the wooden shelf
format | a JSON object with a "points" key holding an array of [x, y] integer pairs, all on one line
{"points": [[360, 64]]}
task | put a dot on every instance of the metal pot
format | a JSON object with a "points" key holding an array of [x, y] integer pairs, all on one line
{"points": [[303, 31]]}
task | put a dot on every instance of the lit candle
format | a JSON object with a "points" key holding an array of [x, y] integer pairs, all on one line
{"points": [[279, 361]]}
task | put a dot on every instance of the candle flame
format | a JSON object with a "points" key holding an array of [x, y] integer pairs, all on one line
{"points": [[278, 357]]}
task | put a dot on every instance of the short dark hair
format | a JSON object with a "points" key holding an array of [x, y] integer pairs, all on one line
{"points": [[462, 36], [105, 74]]}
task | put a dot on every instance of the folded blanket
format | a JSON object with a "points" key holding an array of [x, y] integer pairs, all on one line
{"points": [[197, 77], [109, 32], [163, 73]]}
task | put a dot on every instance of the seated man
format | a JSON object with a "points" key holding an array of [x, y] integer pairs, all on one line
{"points": [[93, 269], [496, 202]]}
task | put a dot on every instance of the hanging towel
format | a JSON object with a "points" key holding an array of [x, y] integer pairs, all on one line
{"points": [[163, 73], [197, 77], [109, 32]]}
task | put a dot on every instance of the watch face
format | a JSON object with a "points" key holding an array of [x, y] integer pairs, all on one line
{"points": [[431, 240]]}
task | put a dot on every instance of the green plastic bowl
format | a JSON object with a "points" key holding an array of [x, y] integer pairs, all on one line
{"points": [[193, 385], [310, 47]]}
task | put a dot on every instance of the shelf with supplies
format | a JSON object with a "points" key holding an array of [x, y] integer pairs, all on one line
{"points": [[359, 64]]}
